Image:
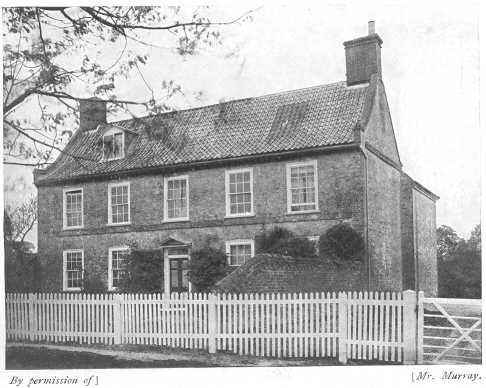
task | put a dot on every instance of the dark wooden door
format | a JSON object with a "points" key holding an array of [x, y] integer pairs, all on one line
{"points": [[178, 275]]}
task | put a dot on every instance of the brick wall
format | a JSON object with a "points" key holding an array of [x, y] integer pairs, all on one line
{"points": [[426, 243], [340, 199], [408, 260], [384, 229]]}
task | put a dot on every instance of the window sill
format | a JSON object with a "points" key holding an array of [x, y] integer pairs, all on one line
{"points": [[229, 216], [175, 220], [119, 224], [290, 213], [72, 289], [72, 227]]}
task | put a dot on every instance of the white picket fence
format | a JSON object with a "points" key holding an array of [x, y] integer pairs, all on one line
{"points": [[367, 326]]}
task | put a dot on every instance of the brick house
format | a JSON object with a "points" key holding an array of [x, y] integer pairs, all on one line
{"points": [[304, 159]]}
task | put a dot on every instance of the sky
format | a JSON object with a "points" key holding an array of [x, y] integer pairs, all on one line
{"points": [[430, 62]]}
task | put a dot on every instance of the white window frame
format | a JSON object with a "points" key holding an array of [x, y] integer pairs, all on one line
{"points": [[227, 191], [312, 163], [64, 208], [239, 242], [110, 264], [64, 269], [166, 181], [110, 214], [113, 132]]}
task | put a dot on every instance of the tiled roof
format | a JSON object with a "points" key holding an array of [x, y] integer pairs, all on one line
{"points": [[300, 119], [277, 273]]}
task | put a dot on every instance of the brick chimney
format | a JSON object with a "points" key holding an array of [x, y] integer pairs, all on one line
{"points": [[363, 57], [92, 111]]}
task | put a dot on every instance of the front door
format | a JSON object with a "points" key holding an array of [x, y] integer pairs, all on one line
{"points": [[178, 275]]}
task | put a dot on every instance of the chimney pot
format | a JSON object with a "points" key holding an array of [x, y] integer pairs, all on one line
{"points": [[371, 27], [92, 112]]}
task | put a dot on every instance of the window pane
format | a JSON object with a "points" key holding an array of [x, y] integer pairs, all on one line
{"points": [[302, 188], [120, 208], [113, 146], [118, 145], [74, 208], [240, 192], [176, 198], [74, 269], [239, 253], [118, 263]]}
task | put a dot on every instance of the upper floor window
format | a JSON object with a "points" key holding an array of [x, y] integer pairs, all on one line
{"points": [[113, 145], [176, 198], [302, 187], [73, 208], [119, 203], [239, 192], [117, 258], [73, 267], [239, 251]]}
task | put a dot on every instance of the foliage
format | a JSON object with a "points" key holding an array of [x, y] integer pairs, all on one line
{"points": [[207, 266], [341, 243], [23, 271], [460, 265], [447, 241], [144, 271], [51, 52], [282, 241], [92, 283], [21, 219]]}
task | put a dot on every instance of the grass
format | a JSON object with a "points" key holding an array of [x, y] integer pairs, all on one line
{"points": [[41, 358]]}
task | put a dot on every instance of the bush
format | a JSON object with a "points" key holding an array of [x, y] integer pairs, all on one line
{"points": [[92, 284], [207, 266], [23, 271], [283, 242], [342, 243], [144, 272]]}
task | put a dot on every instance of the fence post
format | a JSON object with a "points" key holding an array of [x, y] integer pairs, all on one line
{"points": [[420, 328], [342, 327], [409, 327], [212, 323], [31, 316], [117, 319]]}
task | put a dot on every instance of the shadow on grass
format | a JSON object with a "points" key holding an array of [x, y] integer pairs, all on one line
{"points": [[41, 358]]}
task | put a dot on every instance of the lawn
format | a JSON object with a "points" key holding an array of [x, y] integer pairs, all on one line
{"points": [[42, 358]]}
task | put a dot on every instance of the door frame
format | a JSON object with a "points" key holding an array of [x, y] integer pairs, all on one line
{"points": [[167, 259]]}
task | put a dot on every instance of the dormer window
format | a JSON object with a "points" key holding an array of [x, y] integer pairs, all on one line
{"points": [[113, 145]]}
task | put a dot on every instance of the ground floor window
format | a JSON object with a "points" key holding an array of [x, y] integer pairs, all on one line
{"points": [[116, 266], [73, 266], [239, 251]]}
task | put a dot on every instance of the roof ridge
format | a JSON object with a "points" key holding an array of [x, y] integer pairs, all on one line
{"points": [[227, 102]]}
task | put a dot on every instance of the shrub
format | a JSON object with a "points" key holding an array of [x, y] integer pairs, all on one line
{"points": [[23, 271], [144, 272], [341, 242], [283, 242], [207, 266], [92, 284]]}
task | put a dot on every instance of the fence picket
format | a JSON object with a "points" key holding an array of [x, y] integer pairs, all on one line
{"points": [[276, 325]]}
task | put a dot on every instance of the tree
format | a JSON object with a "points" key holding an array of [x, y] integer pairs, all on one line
{"points": [[22, 219], [460, 264], [49, 56], [447, 241], [474, 241]]}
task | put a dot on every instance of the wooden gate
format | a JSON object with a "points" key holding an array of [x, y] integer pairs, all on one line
{"points": [[452, 331]]}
